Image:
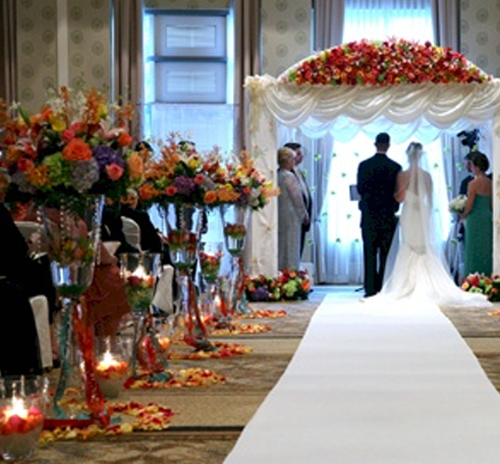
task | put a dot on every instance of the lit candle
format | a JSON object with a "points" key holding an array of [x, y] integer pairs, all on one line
{"points": [[17, 418], [164, 343], [111, 374]]}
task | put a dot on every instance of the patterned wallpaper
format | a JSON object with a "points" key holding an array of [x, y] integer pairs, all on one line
{"points": [[480, 33], [88, 42], [286, 38], [36, 49]]}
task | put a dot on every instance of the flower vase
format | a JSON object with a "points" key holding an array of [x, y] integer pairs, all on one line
{"points": [[22, 402], [210, 256], [184, 224], [72, 227], [139, 271], [235, 221]]}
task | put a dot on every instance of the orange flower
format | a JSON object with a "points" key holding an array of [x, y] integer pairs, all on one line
{"points": [[124, 140], [210, 197], [114, 171], [38, 176], [135, 166], [77, 150]]}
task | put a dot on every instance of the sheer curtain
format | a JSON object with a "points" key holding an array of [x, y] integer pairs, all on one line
{"points": [[339, 258]]}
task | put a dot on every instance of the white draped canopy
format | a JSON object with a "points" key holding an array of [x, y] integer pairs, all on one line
{"points": [[423, 110]]}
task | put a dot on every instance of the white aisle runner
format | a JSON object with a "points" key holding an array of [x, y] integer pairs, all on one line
{"points": [[372, 385]]}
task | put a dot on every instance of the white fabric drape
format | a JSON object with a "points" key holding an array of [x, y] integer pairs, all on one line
{"points": [[421, 111]]}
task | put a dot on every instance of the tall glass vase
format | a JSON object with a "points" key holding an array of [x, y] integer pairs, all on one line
{"points": [[140, 271], [210, 256], [235, 222], [73, 229], [184, 223]]}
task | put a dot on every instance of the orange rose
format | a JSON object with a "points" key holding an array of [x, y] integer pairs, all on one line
{"points": [[124, 140], [210, 197], [77, 150]]}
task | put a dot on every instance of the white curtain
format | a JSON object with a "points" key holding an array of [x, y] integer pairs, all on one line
{"points": [[379, 19], [339, 257]]}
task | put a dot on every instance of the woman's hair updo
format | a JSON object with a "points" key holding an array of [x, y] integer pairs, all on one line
{"points": [[414, 151], [480, 160]]}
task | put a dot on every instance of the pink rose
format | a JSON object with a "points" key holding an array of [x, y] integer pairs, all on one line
{"points": [[114, 171]]}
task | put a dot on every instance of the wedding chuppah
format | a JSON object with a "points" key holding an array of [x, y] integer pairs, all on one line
{"points": [[391, 381], [410, 90]]}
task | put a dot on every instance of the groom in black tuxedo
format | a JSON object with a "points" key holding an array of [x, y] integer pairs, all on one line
{"points": [[376, 185]]}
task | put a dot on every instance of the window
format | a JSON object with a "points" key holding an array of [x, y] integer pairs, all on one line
{"points": [[189, 75]]}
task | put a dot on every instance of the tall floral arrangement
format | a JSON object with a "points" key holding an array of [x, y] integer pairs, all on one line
{"points": [[77, 145], [239, 182], [183, 175], [177, 176], [388, 62]]}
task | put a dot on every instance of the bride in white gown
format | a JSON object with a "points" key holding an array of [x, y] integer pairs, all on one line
{"points": [[416, 267]]}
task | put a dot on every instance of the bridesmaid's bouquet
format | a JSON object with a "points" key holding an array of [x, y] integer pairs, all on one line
{"points": [[457, 204]]}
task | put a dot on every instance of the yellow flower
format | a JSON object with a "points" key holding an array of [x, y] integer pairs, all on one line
{"points": [[57, 122]]}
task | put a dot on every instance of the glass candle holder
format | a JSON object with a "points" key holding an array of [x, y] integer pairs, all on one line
{"points": [[113, 363], [22, 403]]}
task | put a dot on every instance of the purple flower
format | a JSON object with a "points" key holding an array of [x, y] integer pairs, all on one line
{"points": [[260, 294], [106, 155], [185, 185]]}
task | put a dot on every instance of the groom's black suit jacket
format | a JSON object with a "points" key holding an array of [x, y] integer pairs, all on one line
{"points": [[376, 185]]}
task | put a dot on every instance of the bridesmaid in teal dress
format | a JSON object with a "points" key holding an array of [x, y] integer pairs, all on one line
{"points": [[479, 219]]}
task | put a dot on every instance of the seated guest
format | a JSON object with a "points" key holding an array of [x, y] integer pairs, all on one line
{"points": [[150, 239], [112, 229], [19, 348]]}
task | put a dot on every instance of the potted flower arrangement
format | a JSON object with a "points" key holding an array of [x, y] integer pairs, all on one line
{"points": [[480, 283], [290, 284]]}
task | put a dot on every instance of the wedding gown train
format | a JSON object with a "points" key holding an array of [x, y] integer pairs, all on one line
{"points": [[418, 271]]}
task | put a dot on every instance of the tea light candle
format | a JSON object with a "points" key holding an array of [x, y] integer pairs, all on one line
{"points": [[17, 418], [164, 343], [111, 374], [109, 365]]}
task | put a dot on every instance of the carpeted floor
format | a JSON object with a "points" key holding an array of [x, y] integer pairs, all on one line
{"points": [[209, 420]]}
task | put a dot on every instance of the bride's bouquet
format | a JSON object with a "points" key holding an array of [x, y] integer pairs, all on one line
{"points": [[457, 204]]}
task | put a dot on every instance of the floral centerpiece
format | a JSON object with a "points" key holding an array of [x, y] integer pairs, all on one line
{"points": [[77, 145], [457, 204], [177, 176], [262, 288], [290, 284], [387, 62], [480, 283]]}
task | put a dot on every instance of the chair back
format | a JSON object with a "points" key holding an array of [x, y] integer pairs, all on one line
{"points": [[132, 232]]}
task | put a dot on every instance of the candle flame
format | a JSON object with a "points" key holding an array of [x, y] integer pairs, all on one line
{"points": [[108, 360], [18, 409], [140, 272]]}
